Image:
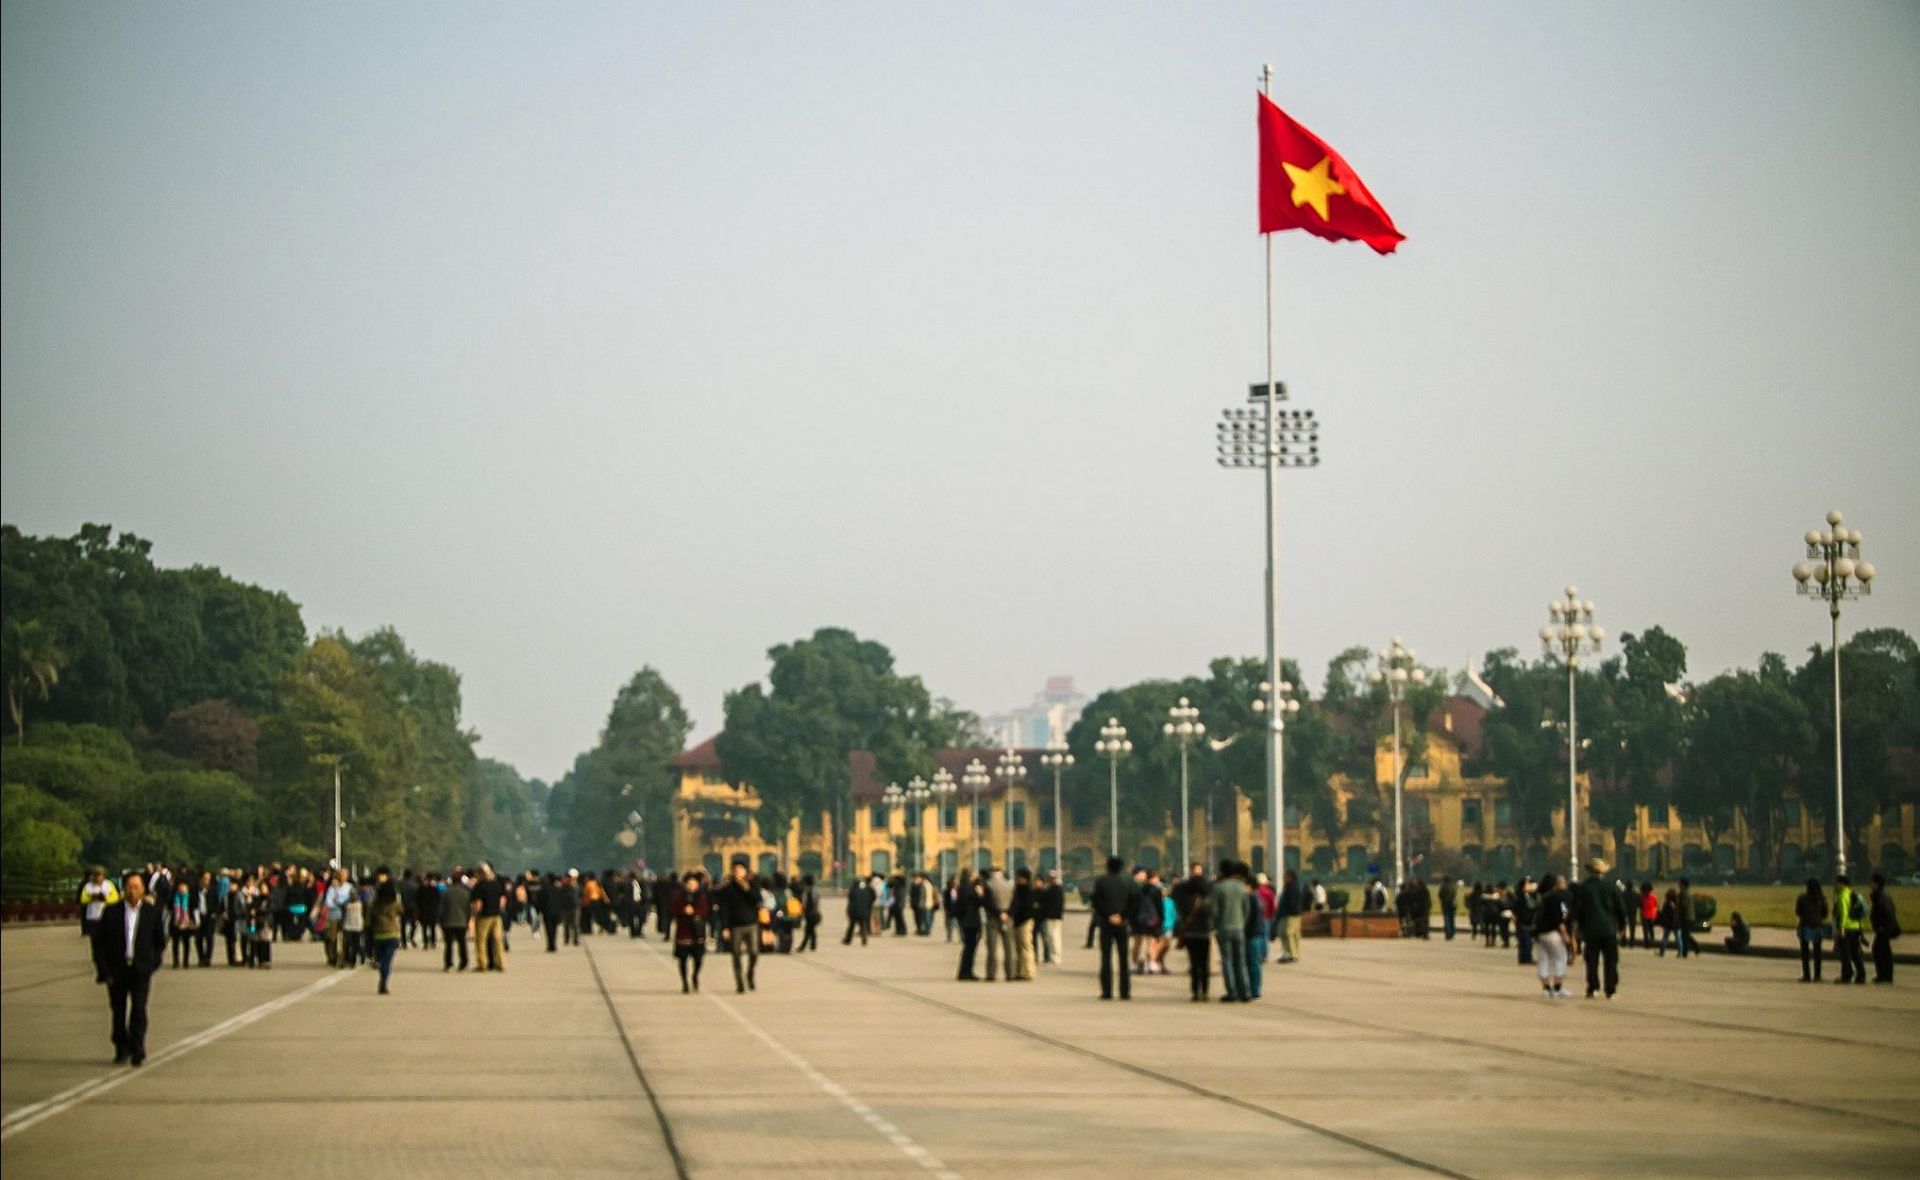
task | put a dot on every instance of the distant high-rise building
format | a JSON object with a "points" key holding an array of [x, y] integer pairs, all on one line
{"points": [[1052, 713]]}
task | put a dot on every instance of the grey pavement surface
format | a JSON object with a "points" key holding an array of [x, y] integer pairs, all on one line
{"points": [[1368, 1058]]}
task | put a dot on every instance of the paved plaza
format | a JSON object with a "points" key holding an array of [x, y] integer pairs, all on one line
{"points": [[1369, 1058]]}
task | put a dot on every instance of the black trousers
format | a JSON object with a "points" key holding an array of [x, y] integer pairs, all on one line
{"points": [[1197, 969], [232, 937], [553, 934], [969, 943], [127, 989], [855, 925], [1882, 957], [1601, 952], [1113, 959], [1853, 964], [811, 941], [454, 936], [203, 942]]}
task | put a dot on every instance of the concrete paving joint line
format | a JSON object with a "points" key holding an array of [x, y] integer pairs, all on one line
{"points": [[39, 1112], [835, 1090], [1155, 1075], [633, 1059], [826, 1085]]}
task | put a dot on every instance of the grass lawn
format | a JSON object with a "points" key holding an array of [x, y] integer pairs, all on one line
{"points": [[1772, 905]]}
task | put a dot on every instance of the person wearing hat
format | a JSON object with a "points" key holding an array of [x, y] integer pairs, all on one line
{"points": [[1600, 914]]}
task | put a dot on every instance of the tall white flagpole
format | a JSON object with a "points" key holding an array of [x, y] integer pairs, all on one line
{"points": [[1276, 770]]}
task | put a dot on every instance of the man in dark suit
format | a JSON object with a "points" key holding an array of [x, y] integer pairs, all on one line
{"points": [[1114, 900], [129, 944]]}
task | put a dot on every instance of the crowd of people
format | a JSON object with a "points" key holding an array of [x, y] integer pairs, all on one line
{"points": [[469, 915]]}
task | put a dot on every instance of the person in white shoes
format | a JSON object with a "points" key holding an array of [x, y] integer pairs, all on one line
{"points": [[1554, 944]]}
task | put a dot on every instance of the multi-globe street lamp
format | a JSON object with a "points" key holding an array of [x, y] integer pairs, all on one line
{"points": [[1569, 634], [1010, 769], [1397, 669], [1832, 573], [1113, 745], [1271, 439], [975, 778], [1057, 759], [914, 793], [1282, 706], [895, 797], [942, 789], [1184, 725]]}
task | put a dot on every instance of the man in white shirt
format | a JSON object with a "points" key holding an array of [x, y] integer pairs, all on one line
{"points": [[128, 945]]}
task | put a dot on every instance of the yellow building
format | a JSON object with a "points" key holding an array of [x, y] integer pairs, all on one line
{"points": [[1446, 810]]}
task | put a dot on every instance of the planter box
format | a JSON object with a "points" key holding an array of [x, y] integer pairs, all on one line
{"points": [[1346, 924], [40, 911]]}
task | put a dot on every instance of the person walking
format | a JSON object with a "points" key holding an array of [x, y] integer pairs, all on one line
{"points": [[1020, 910], [353, 925], [1810, 919], [456, 912], [261, 920], [128, 945], [1601, 914], [1449, 896], [488, 901], [997, 923], [1683, 913], [690, 909], [1193, 926], [1050, 910], [1289, 908], [428, 907], [1525, 905], [185, 923], [809, 914], [860, 901], [1849, 920], [1553, 942], [1886, 927], [384, 923], [736, 905], [1114, 902], [963, 908], [333, 903], [1230, 931], [239, 946], [1259, 918], [205, 905], [1649, 905], [96, 894]]}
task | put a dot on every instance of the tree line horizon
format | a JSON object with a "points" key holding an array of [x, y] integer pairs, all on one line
{"points": [[180, 715]]}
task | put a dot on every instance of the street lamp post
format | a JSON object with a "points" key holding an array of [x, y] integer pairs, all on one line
{"points": [[1057, 759], [974, 778], [1113, 744], [896, 798], [1010, 770], [1184, 725], [1569, 634], [1832, 573], [1396, 670], [942, 790], [1283, 707], [1271, 439]]}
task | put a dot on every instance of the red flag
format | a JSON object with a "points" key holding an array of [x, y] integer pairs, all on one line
{"points": [[1304, 184]]}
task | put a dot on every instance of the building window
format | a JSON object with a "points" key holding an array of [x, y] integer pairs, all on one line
{"points": [[983, 817], [1470, 814], [1790, 811], [1419, 814], [949, 817], [877, 817], [1502, 813], [1046, 817], [1019, 820]]}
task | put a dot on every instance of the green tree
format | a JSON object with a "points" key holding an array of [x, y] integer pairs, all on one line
{"points": [[625, 773], [32, 661], [1880, 695], [1746, 740], [211, 734], [40, 843], [827, 696], [1518, 742], [1639, 733]]}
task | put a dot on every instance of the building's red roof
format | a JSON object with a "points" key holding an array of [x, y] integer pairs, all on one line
{"points": [[701, 757]]}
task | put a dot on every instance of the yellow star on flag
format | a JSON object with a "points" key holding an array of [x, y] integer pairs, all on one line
{"points": [[1312, 186]]}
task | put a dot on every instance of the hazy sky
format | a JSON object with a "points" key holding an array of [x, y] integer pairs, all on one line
{"points": [[571, 338]]}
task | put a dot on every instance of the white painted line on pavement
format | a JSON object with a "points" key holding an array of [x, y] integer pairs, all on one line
{"points": [[38, 1112], [828, 1086]]}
